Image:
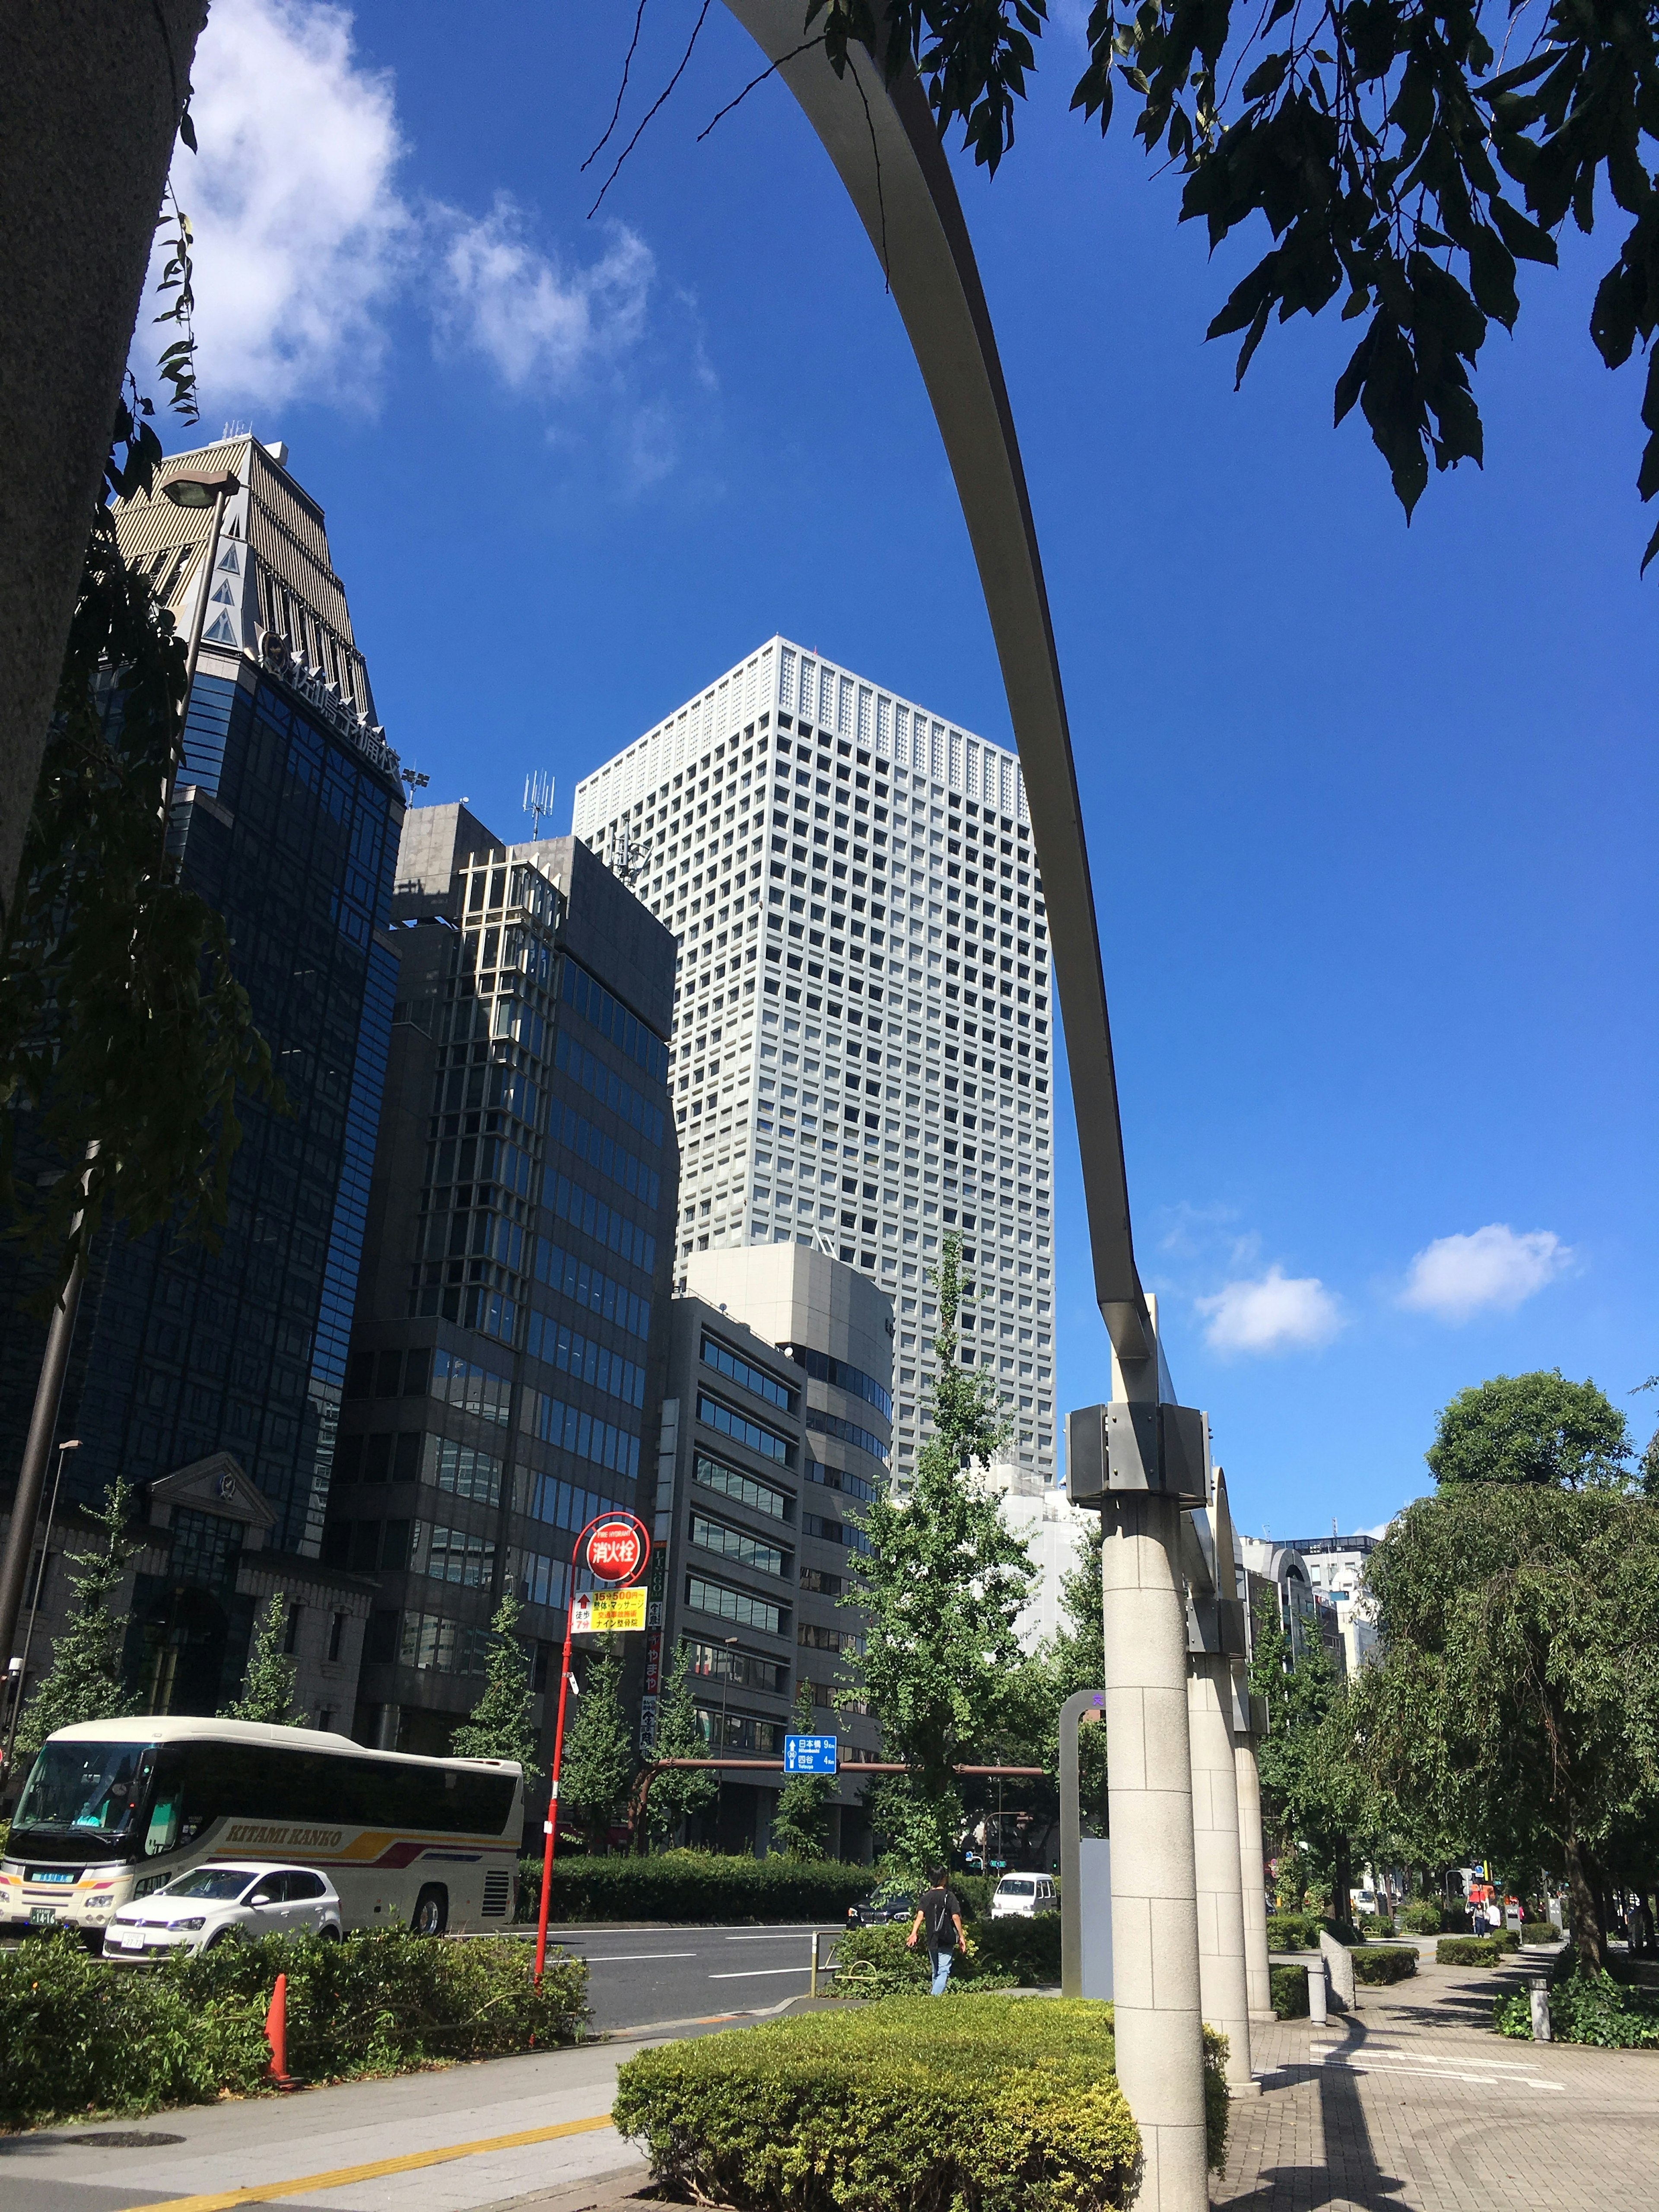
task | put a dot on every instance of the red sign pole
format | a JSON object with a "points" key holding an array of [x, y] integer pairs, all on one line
{"points": [[550, 1825]]}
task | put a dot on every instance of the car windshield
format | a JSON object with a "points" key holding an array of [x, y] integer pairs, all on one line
{"points": [[222, 1884], [92, 1791], [1012, 1888]]}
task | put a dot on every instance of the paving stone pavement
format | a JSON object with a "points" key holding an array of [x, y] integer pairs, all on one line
{"points": [[1413, 2104]]}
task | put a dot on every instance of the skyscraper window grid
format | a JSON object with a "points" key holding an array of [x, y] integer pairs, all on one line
{"points": [[863, 1035]]}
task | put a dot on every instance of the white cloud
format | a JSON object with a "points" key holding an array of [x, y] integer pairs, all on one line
{"points": [[1457, 1277], [302, 238], [540, 324], [1274, 1312], [306, 240]]}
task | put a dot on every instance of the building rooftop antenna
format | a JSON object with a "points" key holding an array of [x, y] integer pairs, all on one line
{"points": [[538, 799], [416, 782]]}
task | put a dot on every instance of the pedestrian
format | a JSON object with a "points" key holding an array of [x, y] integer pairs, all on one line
{"points": [[939, 1914]]}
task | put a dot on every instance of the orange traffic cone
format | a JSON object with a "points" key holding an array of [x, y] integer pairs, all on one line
{"points": [[277, 2035]]}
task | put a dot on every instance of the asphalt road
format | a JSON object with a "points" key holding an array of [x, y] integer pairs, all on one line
{"points": [[639, 1976]]}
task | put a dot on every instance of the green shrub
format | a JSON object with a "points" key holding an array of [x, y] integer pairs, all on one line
{"points": [[879, 1962], [1292, 1931], [1373, 1923], [1587, 2005], [81, 2036], [1420, 1916], [684, 1886], [1380, 1962], [1468, 1951], [1289, 1991], [1539, 1931], [905, 2106], [976, 1890], [1027, 1949]]}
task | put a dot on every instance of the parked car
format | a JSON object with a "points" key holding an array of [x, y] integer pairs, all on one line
{"points": [[889, 1902], [225, 1904], [1023, 1896]]}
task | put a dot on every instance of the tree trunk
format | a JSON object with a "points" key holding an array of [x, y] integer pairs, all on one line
{"points": [[90, 98], [1341, 1881], [1584, 1923]]}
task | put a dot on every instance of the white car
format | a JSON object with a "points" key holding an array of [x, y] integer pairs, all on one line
{"points": [[225, 1904], [1022, 1896]]}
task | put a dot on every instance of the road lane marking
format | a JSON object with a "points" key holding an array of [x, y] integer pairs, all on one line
{"points": [[343, 2177], [789, 1936], [627, 1958], [757, 1974], [1440, 2074], [1416, 2057]]}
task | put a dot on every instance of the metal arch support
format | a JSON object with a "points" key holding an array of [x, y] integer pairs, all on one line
{"points": [[887, 153]]}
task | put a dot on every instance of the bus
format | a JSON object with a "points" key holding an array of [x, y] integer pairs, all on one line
{"points": [[113, 1810]]}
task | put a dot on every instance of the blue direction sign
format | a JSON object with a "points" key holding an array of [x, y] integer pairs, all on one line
{"points": [[809, 1754]]}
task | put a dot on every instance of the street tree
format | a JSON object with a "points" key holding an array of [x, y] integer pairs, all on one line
{"points": [[1517, 1696], [267, 1692], [800, 1826], [1535, 1428], [1314, 1806], [500, 1725], [597, 1771], [1406, 158], [941, 1588], [85, 1681], [680, 1793]]}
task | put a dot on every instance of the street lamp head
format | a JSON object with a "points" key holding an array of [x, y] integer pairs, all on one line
{"points": [[69, 1443], [198, 488]]}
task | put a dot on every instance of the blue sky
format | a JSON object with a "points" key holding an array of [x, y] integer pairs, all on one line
{"points": [[1371, 810]]}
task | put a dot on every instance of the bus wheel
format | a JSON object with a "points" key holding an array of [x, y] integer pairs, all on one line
{"points": [[431, 1910]]}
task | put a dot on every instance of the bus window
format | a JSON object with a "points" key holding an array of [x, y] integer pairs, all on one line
{"points": [[90, 1790]]}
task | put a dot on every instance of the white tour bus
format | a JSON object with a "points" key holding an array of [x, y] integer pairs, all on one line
{"points": [[113, 1810]]}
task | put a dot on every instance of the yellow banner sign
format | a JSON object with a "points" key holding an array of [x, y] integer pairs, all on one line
{"points": [[607, 1609]]}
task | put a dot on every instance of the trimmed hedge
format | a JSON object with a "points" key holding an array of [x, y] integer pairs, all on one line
{"points": [[686, 1885], [1002, 2104], [1382, 1963], [999, 1954], [81, 2036], [1293, 1931], [1288, 1985], [1470, 1950], [1421, 1915]]}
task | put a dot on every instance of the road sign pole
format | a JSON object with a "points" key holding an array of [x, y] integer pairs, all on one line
{"points": [[550, 1825]]}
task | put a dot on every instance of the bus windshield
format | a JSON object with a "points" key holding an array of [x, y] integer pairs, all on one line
{"points": [[83, 1801]]}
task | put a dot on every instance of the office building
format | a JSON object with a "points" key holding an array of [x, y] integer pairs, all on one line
{"points": [[863, 1022], [1308, 1619], [1336, 1568], [776, 1427], [1055, 1533], [511, 1320], [213, 1378]]}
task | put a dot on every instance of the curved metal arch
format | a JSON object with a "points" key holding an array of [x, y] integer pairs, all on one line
{"points": [[887, 153]]}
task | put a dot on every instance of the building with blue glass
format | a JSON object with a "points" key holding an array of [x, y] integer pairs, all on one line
{"points": [[214, 1378], [511, 1325]]}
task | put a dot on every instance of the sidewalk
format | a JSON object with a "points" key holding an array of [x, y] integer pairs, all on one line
{"points": [[1415, 2105]]}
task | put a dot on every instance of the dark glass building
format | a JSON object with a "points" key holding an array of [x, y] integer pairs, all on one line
{"points": [[511, 1326], [219, 1376]]}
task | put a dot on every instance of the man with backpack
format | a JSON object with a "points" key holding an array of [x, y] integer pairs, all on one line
{"points": [[940, 1914]]}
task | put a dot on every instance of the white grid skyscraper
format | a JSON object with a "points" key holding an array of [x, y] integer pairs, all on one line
{"points": [[863, 1031]]}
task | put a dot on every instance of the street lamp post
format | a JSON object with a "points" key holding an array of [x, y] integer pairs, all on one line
{"points": [[69, 1444], [187, 490]]}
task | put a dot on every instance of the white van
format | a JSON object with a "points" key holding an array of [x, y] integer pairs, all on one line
{"points": [[1022, 1896]]}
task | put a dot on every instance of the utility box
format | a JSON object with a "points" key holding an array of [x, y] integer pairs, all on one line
{"points": [[1121, 1448]]}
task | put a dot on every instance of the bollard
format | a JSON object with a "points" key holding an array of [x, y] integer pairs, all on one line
{"points": [[277, 2035], [1538, 1989], [1316, 2011], [812, 1979]]}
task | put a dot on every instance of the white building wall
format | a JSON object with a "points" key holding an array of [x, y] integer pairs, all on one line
{"points": [[901, 906]]}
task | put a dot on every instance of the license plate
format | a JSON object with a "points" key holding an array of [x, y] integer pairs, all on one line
{"points": [[118, 1939], [42, 1915]]}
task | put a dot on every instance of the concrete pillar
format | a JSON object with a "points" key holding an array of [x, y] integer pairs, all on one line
{"points": [[1218, 1867], [1154, 1886], [1252, 1874]]}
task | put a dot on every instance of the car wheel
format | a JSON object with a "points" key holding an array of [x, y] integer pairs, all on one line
{"points": [[223, 1935], [431, 1915], [328, 1933]]}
